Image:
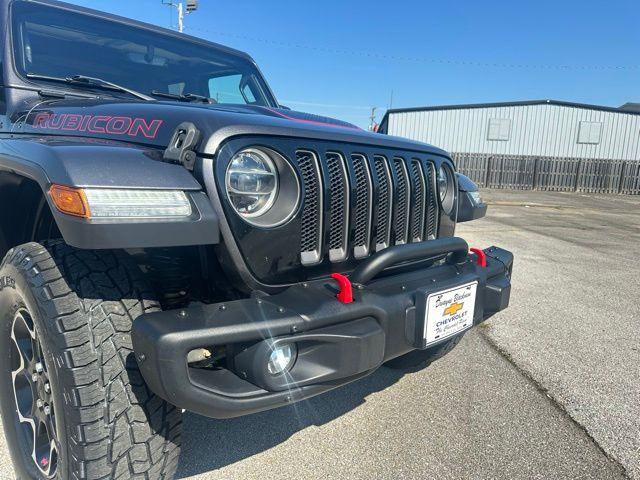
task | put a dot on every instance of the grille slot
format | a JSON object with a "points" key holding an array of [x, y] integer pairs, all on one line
{"points": [[311, 222], [432, 204], [403, 191], [384, 203], [417, 216], [339, 207], [362, 220]]}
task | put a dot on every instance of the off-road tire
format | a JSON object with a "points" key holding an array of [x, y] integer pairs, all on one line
{"points": [[419, 359], [109, 424]]}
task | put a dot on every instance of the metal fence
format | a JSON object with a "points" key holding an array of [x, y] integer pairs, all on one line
{"points": [[551, 173]]}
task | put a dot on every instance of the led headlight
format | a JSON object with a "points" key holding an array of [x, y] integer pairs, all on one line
{"points": [[262, 187], [446, 188], [107, 203], [252, 182], [120, 203]]}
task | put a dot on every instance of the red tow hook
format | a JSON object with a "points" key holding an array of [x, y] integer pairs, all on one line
{"points": [[481, 259], [346, 289]]}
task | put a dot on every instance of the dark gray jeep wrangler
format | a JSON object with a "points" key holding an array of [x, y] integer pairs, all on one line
{"points": [[175, 239]]}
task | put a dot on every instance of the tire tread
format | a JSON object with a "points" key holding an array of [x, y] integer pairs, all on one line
{"points": [[90, 298]]}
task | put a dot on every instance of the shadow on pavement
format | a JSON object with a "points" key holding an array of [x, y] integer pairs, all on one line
{"points": [[212, 444]]}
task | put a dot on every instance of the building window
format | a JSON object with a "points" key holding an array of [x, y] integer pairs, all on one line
{"points": [[499, 129], [590, 132]]}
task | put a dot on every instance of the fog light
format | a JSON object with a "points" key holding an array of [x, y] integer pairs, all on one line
{"points": [[282, 359]]}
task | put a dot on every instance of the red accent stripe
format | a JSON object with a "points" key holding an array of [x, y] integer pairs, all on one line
{"points": [[313, 122]]}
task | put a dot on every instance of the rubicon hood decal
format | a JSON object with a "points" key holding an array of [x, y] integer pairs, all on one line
{"points": [[124, 125], [98, 124]]}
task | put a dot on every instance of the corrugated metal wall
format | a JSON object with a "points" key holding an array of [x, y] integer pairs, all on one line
{"points": [[546, 130]]}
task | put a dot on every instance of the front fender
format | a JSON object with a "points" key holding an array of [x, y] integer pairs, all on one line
{"points": [[85, 163]]}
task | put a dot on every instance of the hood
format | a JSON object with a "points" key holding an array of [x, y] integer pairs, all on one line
{"points": [[153, 123], [282, 113]]}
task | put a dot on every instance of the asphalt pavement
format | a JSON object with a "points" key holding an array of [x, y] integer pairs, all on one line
{"points": [[574, 322], [471, 415], [550, 388]]}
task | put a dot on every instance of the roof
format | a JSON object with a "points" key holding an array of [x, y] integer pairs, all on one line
{"points": [[631, 107], [135, 23], [518, 104], [628, 108]]}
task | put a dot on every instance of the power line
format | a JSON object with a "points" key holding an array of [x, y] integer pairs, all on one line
{"points": [[440, 61]]}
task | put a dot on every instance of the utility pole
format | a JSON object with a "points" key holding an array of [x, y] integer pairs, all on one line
{"points": [[372, 118], [192, 6], [180, 17]]}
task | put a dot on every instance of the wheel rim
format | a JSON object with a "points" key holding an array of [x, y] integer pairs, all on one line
{"points": [[33, 395]]}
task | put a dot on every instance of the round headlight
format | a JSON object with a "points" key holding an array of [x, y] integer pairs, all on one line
{"points": [[262, 187], [446, 188], [252, 182], [443, 182]]}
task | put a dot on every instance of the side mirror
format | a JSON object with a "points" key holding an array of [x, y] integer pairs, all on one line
{"points": [[284, 107], [470, 204]]}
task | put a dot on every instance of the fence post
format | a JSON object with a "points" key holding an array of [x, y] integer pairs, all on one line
{"points": [[623, 172], [578, 173], [487, 176], [534, 185]]}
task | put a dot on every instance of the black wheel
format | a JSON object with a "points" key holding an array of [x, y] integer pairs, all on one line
{"points": [[419, 359], [32, 395], [73, 402]]}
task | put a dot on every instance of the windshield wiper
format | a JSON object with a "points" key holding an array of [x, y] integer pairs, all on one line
{"points": [[185, 97], [92, 82]]}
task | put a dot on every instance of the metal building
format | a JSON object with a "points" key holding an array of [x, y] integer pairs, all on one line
{"points": [[544, 144], [545, 128]]}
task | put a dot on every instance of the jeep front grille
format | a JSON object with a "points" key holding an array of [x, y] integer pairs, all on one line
{"points": [[371, 202]]}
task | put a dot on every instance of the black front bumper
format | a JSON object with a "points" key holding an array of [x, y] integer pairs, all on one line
{"points": [[337, 342]]}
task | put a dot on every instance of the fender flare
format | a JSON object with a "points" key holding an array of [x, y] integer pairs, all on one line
{"points": [[86, 163]]}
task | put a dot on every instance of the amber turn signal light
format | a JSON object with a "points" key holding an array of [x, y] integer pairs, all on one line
{"points": [[71, 201]]}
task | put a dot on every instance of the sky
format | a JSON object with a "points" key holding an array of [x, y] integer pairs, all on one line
{"points": [[342, 57]]}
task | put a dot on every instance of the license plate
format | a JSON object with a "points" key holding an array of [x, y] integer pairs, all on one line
{"points": [[449, 312]]}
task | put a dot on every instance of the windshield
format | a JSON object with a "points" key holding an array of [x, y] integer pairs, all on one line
{"points": [[56, 43]]}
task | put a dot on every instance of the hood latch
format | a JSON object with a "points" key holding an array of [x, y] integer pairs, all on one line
{"points": [[182, 146]]}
